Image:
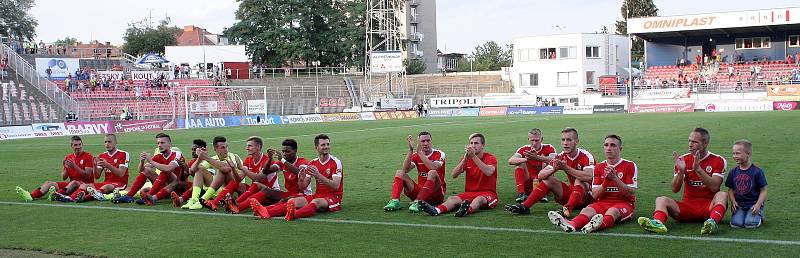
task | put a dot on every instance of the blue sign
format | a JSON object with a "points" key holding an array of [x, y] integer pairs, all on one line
{"points": [[211, 122], [260, 120], [535, 110], [450, 112]]}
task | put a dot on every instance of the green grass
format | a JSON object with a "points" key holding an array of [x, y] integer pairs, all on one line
{"points": [[371, 152]]}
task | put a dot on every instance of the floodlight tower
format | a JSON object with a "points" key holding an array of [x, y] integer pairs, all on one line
{"points": [[383, 35]]}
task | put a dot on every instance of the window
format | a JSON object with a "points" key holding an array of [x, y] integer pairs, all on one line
{"points": [[567, 78], [589, 77], [794, 41], [528, 79], [566, 52], [547, 53], [754, 43], [522, 55], [592, 52]]}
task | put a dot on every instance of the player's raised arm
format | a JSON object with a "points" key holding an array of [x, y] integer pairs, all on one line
{"points": [[407, 165], [680, 172], [486, 169], [460, 166], [517, 159], [432, 165], [713, 182]]}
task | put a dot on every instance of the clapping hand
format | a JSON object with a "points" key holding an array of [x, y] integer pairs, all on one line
{"points": [[410, 143], [679, 162]]}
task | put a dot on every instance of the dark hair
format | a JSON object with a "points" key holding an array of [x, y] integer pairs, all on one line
{"points": [[703, 133], [257, 140], [614, 136], [76, 138], [163, 135], [424, 133], [320, 137], [200, 143], [571, 130], [291, 143], [112, 136], [483, 140], [219, 139]]}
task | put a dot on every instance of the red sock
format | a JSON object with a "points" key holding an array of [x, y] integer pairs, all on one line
{"points": [[470, 210], [537, 195], [187, 194], [278, 209], [88, 197], [159, 184], [718, 212], [660, 216], [37, 193], [519, 177], [62, 191], [442, 209], [74, 194], [608, 221], [162, 194], [427, 190], [576, 198], [230, 188], [259, 197], [137, 184], [397, 188], [579, 221], [250, 191], [307, 211]]}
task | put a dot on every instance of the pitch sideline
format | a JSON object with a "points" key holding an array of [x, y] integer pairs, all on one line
{"points": [[395, 224]]}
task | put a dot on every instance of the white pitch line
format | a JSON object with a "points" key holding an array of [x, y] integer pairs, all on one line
{"points": [[401, 224], [451, 123]]}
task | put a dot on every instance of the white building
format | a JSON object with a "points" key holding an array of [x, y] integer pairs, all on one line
{"points": [[564, 66]]}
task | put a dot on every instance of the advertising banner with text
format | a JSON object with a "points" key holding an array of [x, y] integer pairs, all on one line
{"points": [[661, 108], [81, 128], [739, 106], [493, 111], [143, 125]]}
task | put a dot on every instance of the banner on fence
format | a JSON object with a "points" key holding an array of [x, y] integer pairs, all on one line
{"points": [[111, 75], [386, 62], [739, 106], [551, 110], [455, 102], [578, 110], [493, 111], [49, 129], [256, 107], [397, 103], [784, 105], [16, 132], [367, 116], [257, 120], [514, 100], [82, 128], [784, 90], [302, 119], [450, 112], [203, 106], [668, 93], [143, 125], [148, 75], [661, 108], [608, 109], [340, 117], [60, 68], [386, 115]]}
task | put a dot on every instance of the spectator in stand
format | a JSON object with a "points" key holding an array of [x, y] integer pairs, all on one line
{"points": [[3, 69], [731, 71], [698, 61]]}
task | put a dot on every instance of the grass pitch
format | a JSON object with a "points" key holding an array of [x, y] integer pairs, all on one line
{"points": [[371, 151]]}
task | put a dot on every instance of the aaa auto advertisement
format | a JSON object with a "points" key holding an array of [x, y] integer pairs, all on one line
{"points": [[661, 108]]}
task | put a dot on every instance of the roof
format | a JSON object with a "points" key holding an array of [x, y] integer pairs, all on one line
{"points": [[724, 23], [194, 36]]}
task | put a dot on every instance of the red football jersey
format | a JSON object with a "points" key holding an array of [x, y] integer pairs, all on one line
{"points": [[713, 164], [118, 159], [477, 181], [535, 166], [256, 166], [582, 160], [626, 171], [84, 160], [290, 180], [174, 157], [330, 168], [437, 156]]}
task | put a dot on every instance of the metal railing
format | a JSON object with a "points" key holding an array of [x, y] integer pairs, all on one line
{"points": [[49, 89]]}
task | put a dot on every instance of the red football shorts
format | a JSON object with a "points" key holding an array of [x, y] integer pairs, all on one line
{"points": [[491, 198], [117, 185], [694, 210], [334, 202], [436, 197], [625, 209]]}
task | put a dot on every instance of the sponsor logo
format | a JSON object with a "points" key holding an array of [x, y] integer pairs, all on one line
{"points": [[142, 126], [695, 183], [711, 108], [608, 108], [784, 105]]}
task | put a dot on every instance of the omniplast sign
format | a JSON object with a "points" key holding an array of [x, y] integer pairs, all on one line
{"points": [[456, 102], [708, 21]]}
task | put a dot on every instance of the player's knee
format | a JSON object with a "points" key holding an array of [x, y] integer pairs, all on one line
{"points": [[588, 210], [661, 200], [399, 174]]}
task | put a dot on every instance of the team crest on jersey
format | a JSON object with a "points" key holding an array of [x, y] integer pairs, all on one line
{"points": [[328, 171], [81, 162], [619, 175], [115, 160], [708, 169]]}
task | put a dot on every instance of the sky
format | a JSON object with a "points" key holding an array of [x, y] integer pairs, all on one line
{"points": [[461, 24]]}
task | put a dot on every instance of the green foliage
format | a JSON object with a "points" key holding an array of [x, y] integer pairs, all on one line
{"points": [[141, 39], [15, 21], [278, 33], [69, 41], [635, 9], [415, 66], [489, 56]]}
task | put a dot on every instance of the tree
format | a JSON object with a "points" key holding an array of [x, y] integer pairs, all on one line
{"points": [[489, 56], [415, 66], [141, 39], [278, 33], [635, 9], [68, 41], [15, 21]]}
